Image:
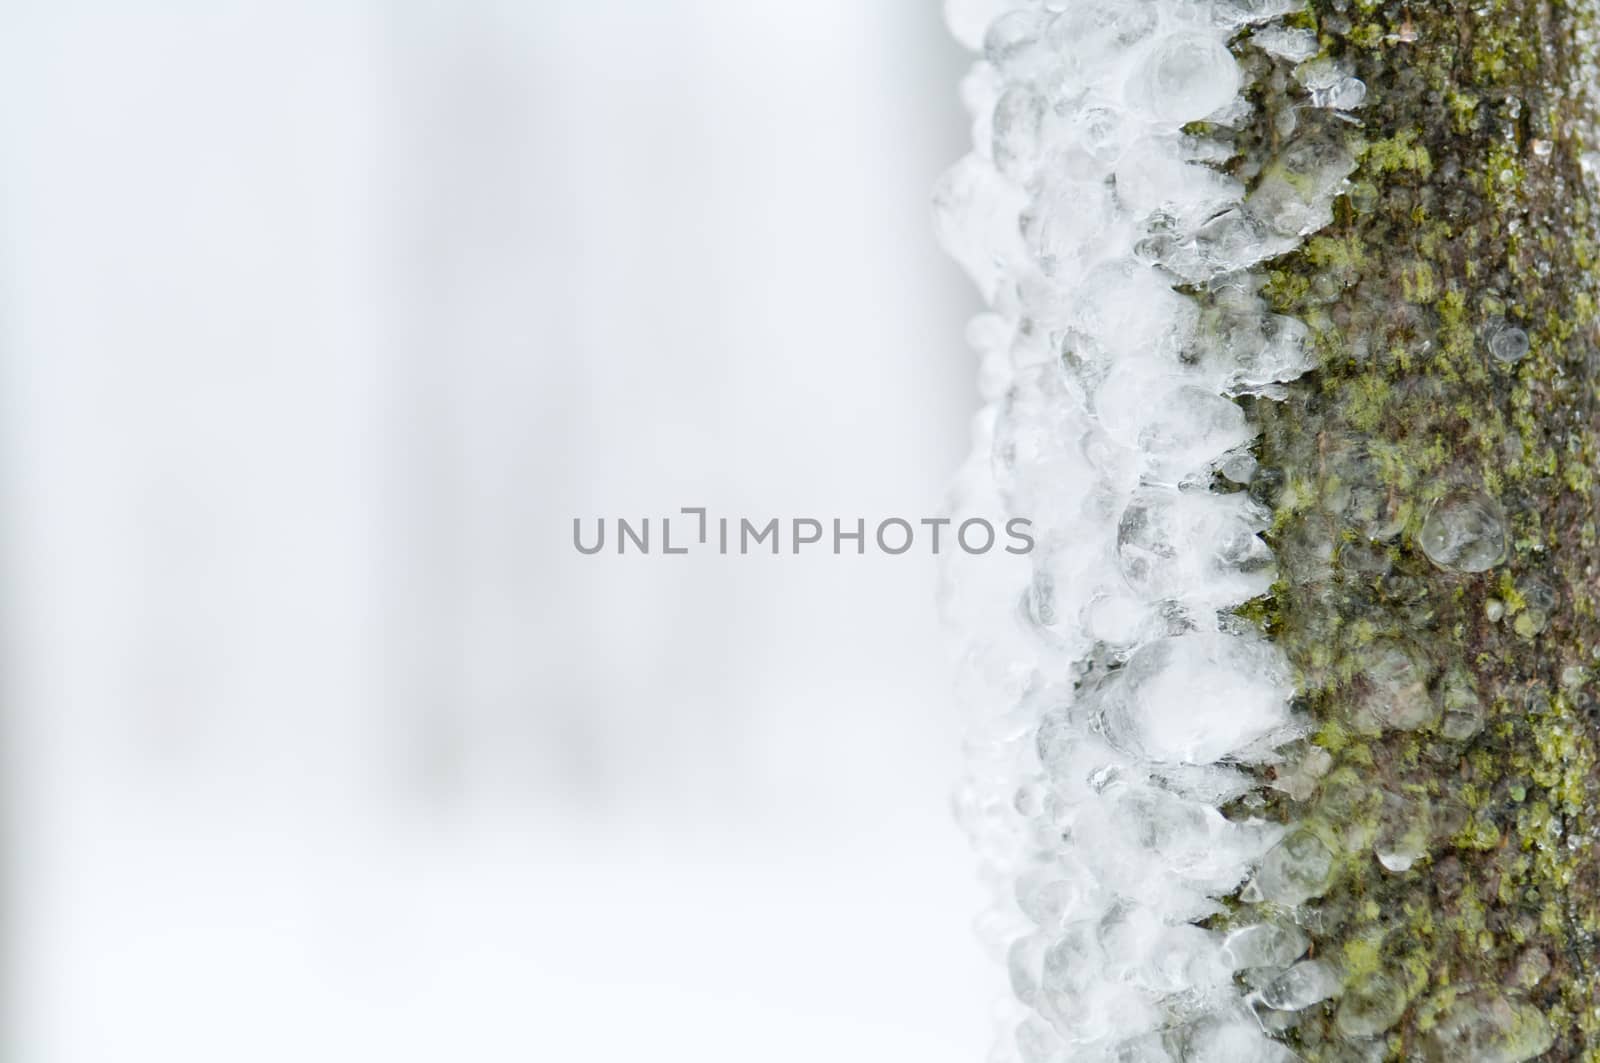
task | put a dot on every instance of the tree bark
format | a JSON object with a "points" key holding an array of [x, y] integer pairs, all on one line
{"points": [[1458, 724]]}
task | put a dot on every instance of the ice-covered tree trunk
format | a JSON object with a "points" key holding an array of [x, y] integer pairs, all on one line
{"points": [[1433, 488], [1314, 278]]}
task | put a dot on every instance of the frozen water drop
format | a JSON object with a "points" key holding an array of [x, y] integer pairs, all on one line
{"points": [[1187, 77], [1463, 709], [1488, 1027], [1038, 1041], [1306, 983], [1394, 688], [1358, 493], [1508, 344], [1296, 869], [1197, 426], [1405, 825], [1370, 1005], [1532, 967], [1286, 42], [1295, 193], [1024, 964], [1014, 43], [1464, 532], [1330, 84], [1197, 698], [1231, 13], [1044, 895], [1090, 32], [1018, 117], [1265, 945], [1238, 467], [1115, 619]]}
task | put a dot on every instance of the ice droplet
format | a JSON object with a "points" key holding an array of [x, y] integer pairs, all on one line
{"points": [[1330, 84], [1195, 546], [1405, 825], [1393, 689], [1296, 869], [1014, 43], [1532, 967], [1018, 120], [1197, 426], [1038, 1041], [1370, 1005], [1464, 532], [1306, 983], [1265, 945], [1286, 42], [1488, 1027], [1188, 76], [1463, 709], [1508, 344], [1539, 601], [1196, 698]]}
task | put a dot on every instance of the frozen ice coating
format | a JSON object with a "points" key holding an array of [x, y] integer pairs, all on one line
{"points": [[1125, 716]]}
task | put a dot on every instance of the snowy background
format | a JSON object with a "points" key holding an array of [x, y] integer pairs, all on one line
{"points": [[319, 321]]}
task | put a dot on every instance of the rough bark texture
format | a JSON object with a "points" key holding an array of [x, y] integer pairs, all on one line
{"points": [[1469, 208]]}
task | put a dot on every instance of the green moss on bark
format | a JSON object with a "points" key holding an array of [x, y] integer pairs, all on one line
{"points": [[1469, 211]]}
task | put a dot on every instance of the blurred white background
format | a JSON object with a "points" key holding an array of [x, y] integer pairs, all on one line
{"points": [[320, 320]]}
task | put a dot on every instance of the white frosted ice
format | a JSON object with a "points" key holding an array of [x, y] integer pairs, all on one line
{"points": [[1188, 76], [1120, 705], [1331, 85], [1286, 42], [1197, 698]]}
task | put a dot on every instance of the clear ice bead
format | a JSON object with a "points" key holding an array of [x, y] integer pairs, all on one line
{"points": [[1286, 42], [1014, 43], [1464, 532], [1463, 709], [1296, 870], [1370, 1005], [1394, 693], [1265, 945], [1488, 1027], [1306, 983], [1017, 128], [1405, 826], [1508, 344], [1330, 85]]}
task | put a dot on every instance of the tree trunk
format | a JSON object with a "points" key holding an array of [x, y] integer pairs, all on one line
{"points": [[1408, 871], [1433, 489]]}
